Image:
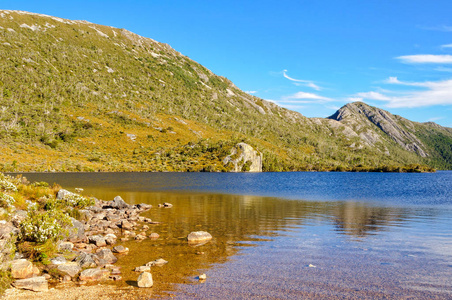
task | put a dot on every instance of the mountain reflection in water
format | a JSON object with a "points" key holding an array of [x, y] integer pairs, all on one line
{"points": [[298, 248]]}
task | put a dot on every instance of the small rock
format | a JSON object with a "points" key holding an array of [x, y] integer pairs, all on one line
{"points": [[311, 266], [91, 275], [145, 280], [167, 205], [21, 268], [199, 237], [97, 240], [37, 284], [66, 278], [120, 249], [107, 255], [199, 253], [115, 277], [126, 225], [143, 269], [65, 246], [202, 277], [85, 260], [58, 260], [157, 262], [154, 236], [70, 268]]}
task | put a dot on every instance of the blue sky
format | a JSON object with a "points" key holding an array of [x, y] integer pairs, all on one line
{"points": [[309, 56]]}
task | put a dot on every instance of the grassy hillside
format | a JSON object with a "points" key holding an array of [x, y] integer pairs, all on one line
{"points": [[76, 96]]}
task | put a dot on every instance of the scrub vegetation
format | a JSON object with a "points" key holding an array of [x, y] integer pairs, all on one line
{"points": [[76, 96]]}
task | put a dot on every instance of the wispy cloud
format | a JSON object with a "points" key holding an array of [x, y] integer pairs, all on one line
{"points": [[373, 96], [301, 82], [446, 46], [433, 93], [435, 119], [426, 59], [445, 28], [251, 92], [305, 98]]}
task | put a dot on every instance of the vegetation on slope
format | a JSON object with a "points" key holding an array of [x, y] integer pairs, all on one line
{"points": [[75, 96]]}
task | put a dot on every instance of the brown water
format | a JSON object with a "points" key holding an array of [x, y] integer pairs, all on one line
{"points": [[271, 247]]}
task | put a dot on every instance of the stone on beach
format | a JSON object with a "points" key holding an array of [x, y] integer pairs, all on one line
{"points": [[145, 280], [107, 255], [143, 269], [70, 268], [21, 268], [120, 249], [94, 274], [199, 237], [37, 284]]}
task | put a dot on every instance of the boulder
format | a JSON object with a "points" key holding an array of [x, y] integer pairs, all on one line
{"points": [[65, 246], [85, 260], [37, 284], [93, 274], [199, 237], [120, 249], [21, 268], [77, 231], [107, 255], [244, 158], [118, 203], [59, 260], [126, 225], [111, 239], [63, 194], [145, 280], [70, 268], [97, 240]]}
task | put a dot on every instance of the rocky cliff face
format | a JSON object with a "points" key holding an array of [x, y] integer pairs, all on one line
{"points": [[244, 158]]}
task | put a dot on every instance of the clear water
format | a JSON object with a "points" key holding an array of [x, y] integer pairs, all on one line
{"points": [[290, 235]]}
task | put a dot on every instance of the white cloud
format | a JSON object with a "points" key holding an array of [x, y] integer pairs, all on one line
{"points": [[251, 92], [434, 93], [300, 82], [304, 96], [373, 96], [446, 46], [354, 99], [426, 59]]}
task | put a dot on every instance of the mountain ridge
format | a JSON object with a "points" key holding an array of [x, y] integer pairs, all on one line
{"points": [[77, 96]]}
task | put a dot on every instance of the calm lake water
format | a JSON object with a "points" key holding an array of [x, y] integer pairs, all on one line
{"points": [[288, 235]]}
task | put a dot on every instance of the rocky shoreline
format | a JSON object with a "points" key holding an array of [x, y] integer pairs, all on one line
{"points": [[89, 251]]}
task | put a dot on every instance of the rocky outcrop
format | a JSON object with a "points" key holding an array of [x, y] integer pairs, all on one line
{"points": [[367, 121], [243, 158]]}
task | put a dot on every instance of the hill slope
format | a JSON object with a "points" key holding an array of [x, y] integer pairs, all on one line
{"points": [[77, 96]]}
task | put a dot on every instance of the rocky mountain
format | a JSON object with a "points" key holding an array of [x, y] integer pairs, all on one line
{"points": [[77, 96]]}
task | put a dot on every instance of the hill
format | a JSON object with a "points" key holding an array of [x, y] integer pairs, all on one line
{"points": [[77, 96]]}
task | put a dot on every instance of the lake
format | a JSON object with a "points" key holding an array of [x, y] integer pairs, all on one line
{"points": [[288, 235]]}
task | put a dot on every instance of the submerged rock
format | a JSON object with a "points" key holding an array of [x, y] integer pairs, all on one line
{"points": [[199, 237]]}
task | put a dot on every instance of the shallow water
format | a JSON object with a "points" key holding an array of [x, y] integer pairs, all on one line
{"points": [[289, 235]]}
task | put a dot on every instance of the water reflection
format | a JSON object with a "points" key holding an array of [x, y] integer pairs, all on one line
{"points": [[293, 228]]}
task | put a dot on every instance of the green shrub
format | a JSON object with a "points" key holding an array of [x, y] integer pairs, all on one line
{"points": [[40, 226]]}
